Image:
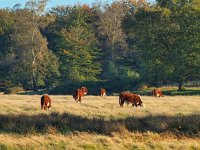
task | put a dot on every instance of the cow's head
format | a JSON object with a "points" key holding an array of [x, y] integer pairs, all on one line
{"points": [[84, 89], [142, 105], [121, 102]]}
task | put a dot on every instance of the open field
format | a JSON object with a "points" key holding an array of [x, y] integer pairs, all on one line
{"points": [[171, 122]]}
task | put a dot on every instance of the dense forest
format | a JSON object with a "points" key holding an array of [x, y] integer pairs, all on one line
{"points": [[120, 45]]}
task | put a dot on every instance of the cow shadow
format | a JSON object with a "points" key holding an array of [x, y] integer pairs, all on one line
{"points": [[67, 123]]}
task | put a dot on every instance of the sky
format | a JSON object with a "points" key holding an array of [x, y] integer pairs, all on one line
{"points": [[52, 3]]}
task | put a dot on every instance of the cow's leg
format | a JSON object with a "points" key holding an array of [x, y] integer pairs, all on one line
{"points": [[80, 98], [122, 103], [136, 104]]}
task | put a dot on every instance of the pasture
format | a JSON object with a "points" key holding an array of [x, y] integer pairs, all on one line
{"points": [[170, 122]]}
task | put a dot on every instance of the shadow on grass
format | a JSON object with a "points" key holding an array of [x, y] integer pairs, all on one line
{"points": [[67, 123]]}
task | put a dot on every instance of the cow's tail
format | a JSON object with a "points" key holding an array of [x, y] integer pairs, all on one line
{"points": [[141, 102], [119, 100], [42, 102], [76, 95]]}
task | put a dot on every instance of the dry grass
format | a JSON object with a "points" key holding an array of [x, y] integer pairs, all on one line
{"points": [[99, 123]]}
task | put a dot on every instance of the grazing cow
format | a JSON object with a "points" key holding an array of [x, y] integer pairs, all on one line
{"points": [[102, 92], [157, 93], [127, 97], [84, 89], [78, 95], [45, 102]]}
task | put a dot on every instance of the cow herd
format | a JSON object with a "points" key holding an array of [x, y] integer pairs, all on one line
{"points": [[124, 97]]}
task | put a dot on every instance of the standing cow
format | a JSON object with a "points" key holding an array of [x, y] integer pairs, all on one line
{"points": [[157, 93], [45, 102], [80, 93], [127, 97], [102, 92]]}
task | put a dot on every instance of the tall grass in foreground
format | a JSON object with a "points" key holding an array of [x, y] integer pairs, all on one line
{"points": [[99, 123], [66, 123]]}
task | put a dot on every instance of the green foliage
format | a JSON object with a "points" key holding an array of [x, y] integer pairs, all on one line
{"points": [[171, 92], [94, 87], [168, 41], [78, 51], [121, 74], [112, 72], [152, 44], [6, 21], [25, 57]]}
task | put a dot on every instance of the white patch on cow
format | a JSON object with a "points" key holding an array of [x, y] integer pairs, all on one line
{"points": [[104, 94], [142, 105], [157, 95], [48, 104], [85, 93]]}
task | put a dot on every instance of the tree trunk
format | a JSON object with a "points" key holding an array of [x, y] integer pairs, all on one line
{"points": [[180, 86], [34, 84], [34, 72]]}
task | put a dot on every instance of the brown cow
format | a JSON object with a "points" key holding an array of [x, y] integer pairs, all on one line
{"points": [[157, 93], [78, 95], [45, 102], [102, 92], [127, 97]]}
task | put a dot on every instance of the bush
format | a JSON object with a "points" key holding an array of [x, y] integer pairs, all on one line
{"points": [[94, 87], [14, 90], [142, 86]]}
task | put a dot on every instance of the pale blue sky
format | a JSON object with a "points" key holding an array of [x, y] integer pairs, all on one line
{"points": [[52, 3]]}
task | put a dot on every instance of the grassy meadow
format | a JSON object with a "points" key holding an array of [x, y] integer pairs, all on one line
{"points": [[170, 122]]}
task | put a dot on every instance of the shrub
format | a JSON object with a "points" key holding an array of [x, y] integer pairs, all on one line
{"points": [[142, 86], [14, 90]]}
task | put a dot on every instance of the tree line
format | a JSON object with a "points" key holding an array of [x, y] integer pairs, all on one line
{"points": [[125, 42]]}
